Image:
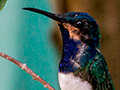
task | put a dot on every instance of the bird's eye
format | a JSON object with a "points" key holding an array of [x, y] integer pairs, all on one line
{"points": [[79, 22]]}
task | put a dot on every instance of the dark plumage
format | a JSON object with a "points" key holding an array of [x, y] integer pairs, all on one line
{"points": [[82, 66]]}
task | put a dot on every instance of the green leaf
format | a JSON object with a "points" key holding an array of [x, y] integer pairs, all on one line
{"points": [[2, 4]]}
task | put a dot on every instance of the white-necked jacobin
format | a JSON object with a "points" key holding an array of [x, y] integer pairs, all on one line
{"points": [[82, 66]]}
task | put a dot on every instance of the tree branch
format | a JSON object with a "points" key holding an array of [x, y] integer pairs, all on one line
{"points": [[28, 70]]}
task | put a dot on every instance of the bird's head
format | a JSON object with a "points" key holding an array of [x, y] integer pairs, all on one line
{"points": [[78, 26]]}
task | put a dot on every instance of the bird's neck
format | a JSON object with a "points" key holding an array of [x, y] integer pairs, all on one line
{"points": [[76, 54]]}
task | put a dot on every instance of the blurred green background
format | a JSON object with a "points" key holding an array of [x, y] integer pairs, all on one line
{"points": [[35, 39], [26, 36]]}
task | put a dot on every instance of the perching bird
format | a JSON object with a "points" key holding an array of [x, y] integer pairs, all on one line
{"points": [[82, 66]]}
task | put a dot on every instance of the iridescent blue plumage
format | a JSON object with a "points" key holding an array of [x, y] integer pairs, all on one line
{"points": [[81, 55], [71, 46], [82, 66], [84, 18]]}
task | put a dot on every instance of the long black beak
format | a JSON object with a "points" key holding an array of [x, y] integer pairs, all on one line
{"points": [[48, 14]]}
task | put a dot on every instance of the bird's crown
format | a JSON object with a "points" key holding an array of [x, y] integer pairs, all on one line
{"points": [[81, 26]]}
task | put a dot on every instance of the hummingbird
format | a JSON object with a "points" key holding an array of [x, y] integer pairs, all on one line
{"points": [[82, 65]]}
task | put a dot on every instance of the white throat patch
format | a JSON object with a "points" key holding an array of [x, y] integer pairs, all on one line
{"points": [[70, 82]]}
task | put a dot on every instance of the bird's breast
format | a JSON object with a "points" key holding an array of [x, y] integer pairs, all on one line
{"points": [[70, 82]]}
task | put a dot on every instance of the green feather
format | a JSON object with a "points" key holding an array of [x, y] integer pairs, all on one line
{"points": [[99, 71], [96, 72]]}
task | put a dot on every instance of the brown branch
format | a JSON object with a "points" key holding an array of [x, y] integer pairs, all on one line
{"points": [[28, 70]]}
